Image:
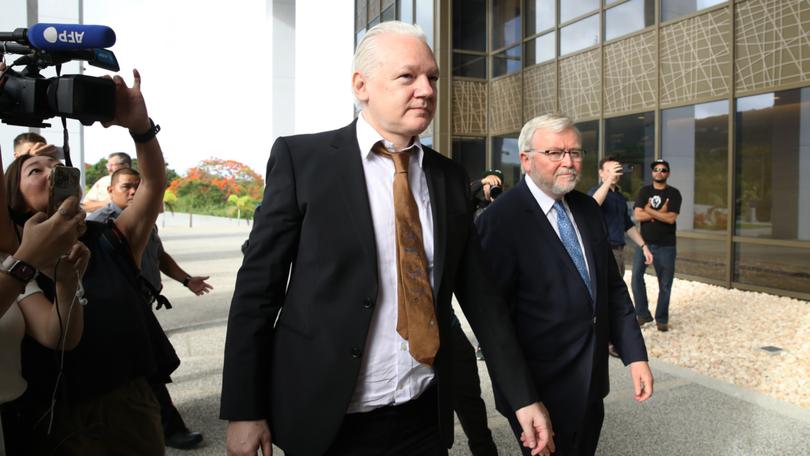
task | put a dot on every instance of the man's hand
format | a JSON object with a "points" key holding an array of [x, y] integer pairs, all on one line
{"points": [[664, 207], [489, 182], [198, 285], [642, 380], [43, 149], [648, 256], [613, 173], [537, 433], [245, 438]]}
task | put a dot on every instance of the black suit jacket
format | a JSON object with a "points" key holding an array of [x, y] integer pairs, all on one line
{"points": [[294, 349], [563, 331]]}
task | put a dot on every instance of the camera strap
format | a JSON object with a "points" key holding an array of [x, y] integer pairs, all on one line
{"points": [[65, 134]]}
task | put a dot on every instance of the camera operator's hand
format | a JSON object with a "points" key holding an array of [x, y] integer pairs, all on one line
{"points": [[613, 173], [44, 149], [130, 108], [489, 182], [45, 239]]}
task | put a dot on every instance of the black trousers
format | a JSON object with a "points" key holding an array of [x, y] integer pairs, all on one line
{"points": [[582, 442], [467, 402], [410, 429], [169, 415]]}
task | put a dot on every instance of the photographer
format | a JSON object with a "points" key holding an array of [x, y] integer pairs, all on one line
{"points": [[103, 401]]}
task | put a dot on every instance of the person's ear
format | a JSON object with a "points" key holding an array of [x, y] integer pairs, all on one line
{"points": [[360, 86]]}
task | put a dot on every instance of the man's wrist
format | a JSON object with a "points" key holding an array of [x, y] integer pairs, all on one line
{"points": [[186, 281]]}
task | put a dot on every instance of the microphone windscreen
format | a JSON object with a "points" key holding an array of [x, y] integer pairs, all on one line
{"points": [[63, 37]]}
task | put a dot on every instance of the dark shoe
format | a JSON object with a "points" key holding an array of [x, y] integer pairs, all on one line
{"points": [[479, 355], [184, 440], [643, 320], [663, 327], [612, 351]]}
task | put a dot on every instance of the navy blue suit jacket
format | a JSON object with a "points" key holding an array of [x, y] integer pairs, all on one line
{"points": [[563, 331]]}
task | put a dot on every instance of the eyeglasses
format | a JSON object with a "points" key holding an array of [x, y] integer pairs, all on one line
{"points": [[556, 155], [660, 170]]}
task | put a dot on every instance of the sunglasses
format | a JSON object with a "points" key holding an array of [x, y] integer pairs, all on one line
{"points": [[660, 170]]}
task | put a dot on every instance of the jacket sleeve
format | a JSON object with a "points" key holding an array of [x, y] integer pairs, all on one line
{"points": [[259, 293]]}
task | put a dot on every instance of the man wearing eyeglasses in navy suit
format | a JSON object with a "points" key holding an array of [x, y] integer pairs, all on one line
{"points": [[657, 207]]}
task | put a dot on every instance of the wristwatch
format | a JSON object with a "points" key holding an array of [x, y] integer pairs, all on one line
{"points": [[18, 269]]}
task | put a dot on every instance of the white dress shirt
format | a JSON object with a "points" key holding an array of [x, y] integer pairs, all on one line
{"points": [[389, 374], [547, 205]]}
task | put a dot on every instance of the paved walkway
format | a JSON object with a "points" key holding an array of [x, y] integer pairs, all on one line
{"points": [[690, 413]]}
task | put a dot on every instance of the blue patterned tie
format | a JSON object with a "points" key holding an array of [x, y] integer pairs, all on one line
{"points": [[569, 239]]}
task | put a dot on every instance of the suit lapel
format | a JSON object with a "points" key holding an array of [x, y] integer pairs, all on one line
{"points": [[434, 174], [347, 162]]}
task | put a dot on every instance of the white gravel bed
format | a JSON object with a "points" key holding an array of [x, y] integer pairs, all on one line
{"points": [[719, 332]]}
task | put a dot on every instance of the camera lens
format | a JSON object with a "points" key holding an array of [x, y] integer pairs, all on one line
{"points": [[495, 191]]}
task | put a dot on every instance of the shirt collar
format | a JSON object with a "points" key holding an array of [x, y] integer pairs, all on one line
{"points": [[367, 137], [546, 202]]}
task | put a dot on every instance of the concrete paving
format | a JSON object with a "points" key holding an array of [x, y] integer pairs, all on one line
{"points": [[689, 414]]}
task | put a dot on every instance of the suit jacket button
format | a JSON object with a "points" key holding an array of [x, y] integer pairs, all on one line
{"points": [[356, 352], [594, 321], [368, 303]]}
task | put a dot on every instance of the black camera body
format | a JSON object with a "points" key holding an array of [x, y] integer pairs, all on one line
{"points": [[27, 98]]}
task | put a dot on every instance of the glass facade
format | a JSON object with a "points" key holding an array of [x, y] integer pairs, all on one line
{"points": [[570, 9], [673, 9], [541, 49], [470, 25], [472, 154], [694, 140], [469, 65], [506, 157], [631, 139], [629, 17], [506, 28], [506, 62], [541, 15], [579, 35], [589, 176]]}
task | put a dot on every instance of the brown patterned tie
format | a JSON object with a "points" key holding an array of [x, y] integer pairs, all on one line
{"points": [[416, 319]]}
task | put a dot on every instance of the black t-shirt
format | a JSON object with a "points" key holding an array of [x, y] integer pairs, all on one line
{"points": [[654, 231]]}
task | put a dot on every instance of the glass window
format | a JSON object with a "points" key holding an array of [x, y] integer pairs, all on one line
{"points": [[389, 14], [694, 140], [783, 268], [772, 176], [673, 9], [373, 22], [540, 15], [631, 139], [405, 9], [570, 9], [589, 176], [471, 153], [359, 36], [629, 17], [701, 257], [469, 66], [505, 23], [424, 18], [541, 49], [470, 25], [579, 35], [506, 62], [506, 158]]}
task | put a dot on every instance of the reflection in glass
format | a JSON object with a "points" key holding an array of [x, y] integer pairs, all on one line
{"points": [[506, 62], [570, 9], [701, 257], [424, 18], [469, 66], [629, 17], [505, 23], [541, 49], [471, 153], [694, 140], [405, 9], [673, 9], [590, 142], [373, 22], [540, 15], [631, 140], [772, 176], [505, 157], [782, 268], [579, 35], [389, 14], [470, 25]]}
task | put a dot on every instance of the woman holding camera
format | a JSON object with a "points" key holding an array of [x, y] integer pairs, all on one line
{"points": [[103, 403]]}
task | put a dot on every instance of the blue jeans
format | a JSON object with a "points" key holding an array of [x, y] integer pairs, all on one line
{"points": [[664, 264]]}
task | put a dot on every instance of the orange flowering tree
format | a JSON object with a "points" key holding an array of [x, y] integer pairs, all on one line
{"points": [[210, 184]]}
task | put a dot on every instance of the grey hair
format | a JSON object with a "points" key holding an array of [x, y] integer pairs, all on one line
{"points": [[553, 122], [365, 58]]}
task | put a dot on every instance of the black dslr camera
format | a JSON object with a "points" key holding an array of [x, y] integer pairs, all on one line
{"points": [[27, 98], [494, 190]]}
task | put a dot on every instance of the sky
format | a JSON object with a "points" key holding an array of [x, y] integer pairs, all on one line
{"points": [[207, 72]]}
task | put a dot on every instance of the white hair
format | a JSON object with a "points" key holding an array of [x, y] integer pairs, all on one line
{"points": [[366, 59], [554, 122]]}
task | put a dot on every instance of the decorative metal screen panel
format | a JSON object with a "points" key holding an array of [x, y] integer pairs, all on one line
{"points": [[505, 106], [695, 54], [772, 44], [469, 107], [360, 18], [630, 72], [539, 90], [580, 83]]}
